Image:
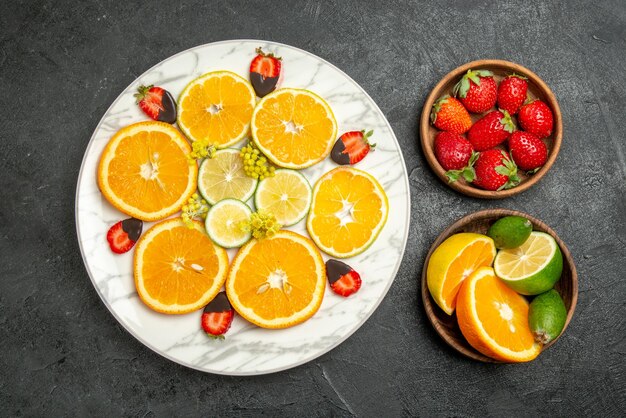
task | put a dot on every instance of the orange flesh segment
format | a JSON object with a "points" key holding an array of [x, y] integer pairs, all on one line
{"points": [[472, 257]]}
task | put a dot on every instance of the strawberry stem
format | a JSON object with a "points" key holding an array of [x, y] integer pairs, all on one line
{"points": [[142, 92]]}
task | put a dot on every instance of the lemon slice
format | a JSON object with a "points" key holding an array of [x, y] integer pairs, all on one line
{"points": [[223, 223], [223, 177], [287, 196], [532, 268]]}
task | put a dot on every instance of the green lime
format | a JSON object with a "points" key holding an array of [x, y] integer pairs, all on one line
{"points": [[546, 316], [533, 267], [510, 231]]}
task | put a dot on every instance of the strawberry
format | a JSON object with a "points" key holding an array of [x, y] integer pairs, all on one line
{"points": [[352, 147], [528, 151], [495, 171], [491, 130], [157, 103], [448, 114], [477, 90], [512, 93], [265, 72], [217, 316], [455, 154], [343, 279], [536, 118], [123, 235]]}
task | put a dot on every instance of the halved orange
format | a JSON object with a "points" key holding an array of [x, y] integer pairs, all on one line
{"points": [[494, 318], [178, 269], [348, 212], [216, 107], [144, 172], [452, 262], [294, 128], [277, 282]]}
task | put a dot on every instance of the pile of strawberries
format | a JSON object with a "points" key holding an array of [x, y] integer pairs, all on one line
{"points": [[478, 156]]}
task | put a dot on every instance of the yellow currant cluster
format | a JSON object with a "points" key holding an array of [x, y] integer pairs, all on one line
{"points": [[200, 150], [261, 225], [195, 208], [255, 163]]}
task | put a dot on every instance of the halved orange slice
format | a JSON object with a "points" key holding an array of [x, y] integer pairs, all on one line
{"points": [[277, 282], [452, 262], [348, 212], [178, 269], [144, 172], [216, 107], [494, 318], [294, 128]]}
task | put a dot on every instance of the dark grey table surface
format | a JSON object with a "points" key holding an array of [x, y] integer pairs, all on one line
{"points": [[62, 63]]}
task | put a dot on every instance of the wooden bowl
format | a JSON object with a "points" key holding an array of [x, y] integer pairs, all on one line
{"points": [[537, 89], [479, 222]]}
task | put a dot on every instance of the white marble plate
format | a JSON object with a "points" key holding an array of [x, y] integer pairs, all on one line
{"points": [[247, 349]]}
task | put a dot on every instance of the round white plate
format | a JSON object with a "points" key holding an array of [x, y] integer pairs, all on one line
{"points": [[247, 349]]}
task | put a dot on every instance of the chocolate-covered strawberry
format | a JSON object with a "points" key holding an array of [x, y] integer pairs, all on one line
{"points": [[217, 316], [477, 90], [456, 155], [528, 151], [449, 114], [343, 279], [495, 171], [491, 130], [123, 235], [157, 103], [512, 93], [536, 117], [265, 72], [352, 147]]}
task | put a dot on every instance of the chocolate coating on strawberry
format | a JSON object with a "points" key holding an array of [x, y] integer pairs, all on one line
{"points": [[157, 103], [220, 303], [352, 147], [265, 72], [343, 279], [133, 228], [335, 269], [168, 112]]}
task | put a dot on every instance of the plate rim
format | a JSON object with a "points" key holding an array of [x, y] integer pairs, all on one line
{"points": [[316, 354]]}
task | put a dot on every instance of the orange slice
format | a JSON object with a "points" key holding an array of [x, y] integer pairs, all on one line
{"points": [[277, 282], [348, 212], [144, 172], [494, 318], [216, 107], [178, 269], [294, 128], [452, 262]]}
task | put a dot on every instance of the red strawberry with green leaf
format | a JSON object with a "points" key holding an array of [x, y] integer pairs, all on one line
{"points": [[343, 279], [528, 151], [491, 130], [123, 235], [536, 117], [495, 171], [217, 316], [477, 90], [456, 155], [449, 114], [512, 93], [265, 72], [157, 103], [352, 147]]}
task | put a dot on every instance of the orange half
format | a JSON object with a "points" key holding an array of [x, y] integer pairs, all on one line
{"points": [[144, 172], [494, 318], [178, 269], [277, 282]]}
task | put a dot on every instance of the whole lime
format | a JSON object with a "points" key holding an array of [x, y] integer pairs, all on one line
{"points": [[546, 316], [510, 231]]}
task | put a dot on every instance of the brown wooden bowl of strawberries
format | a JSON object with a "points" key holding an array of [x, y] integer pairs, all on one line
{"points": [[491, 129]]}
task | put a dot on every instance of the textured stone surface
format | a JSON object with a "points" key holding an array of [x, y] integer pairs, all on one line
{"points": [[62, 64]]}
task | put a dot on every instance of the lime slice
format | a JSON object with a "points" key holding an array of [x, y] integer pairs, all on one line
{"points": [[287, 196], [532, 268], [223, 223], [222, 177]]}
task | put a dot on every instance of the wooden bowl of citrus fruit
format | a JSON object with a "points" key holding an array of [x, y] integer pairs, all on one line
{"points": [[499, 285], [465, 127]]}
